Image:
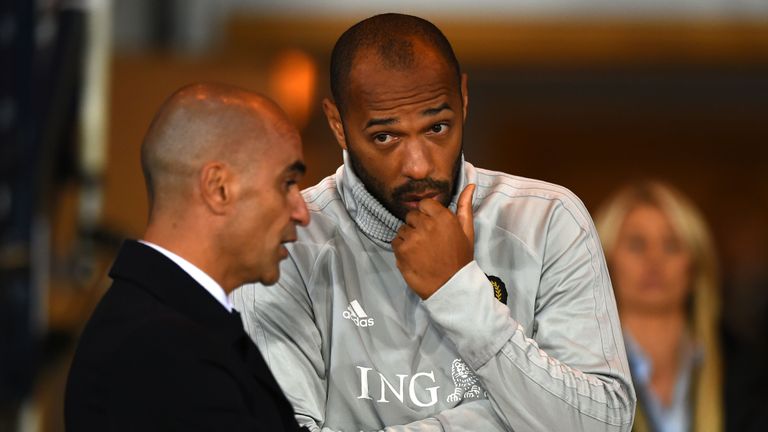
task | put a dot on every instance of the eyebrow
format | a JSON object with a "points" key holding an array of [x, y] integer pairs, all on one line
{"points": [[392, 120], [297, 167], [435, 111], [380, 122]]}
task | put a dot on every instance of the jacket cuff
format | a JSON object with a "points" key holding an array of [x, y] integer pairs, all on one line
{"points": [[467, 312]]}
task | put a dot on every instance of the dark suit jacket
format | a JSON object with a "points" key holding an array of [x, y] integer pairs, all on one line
{"points": [[160, 354]]}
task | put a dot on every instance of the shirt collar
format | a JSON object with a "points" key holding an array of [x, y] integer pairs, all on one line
{"points": [[195, 273], [677, 416], [642, 367]]}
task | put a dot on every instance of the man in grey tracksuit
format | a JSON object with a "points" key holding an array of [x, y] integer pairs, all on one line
{"points": [[427, 294]]}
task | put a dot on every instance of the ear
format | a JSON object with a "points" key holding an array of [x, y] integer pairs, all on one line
{"points": [[464, 94], [217, 186], [334, 121]]}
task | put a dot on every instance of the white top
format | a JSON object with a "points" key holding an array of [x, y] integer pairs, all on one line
{"points": [[676, 416], [198, 275]]}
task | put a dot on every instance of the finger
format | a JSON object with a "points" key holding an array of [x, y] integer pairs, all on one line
{"points": [[464, 212], [396, 243], [431, 207], [413, 217], [402, 232]]}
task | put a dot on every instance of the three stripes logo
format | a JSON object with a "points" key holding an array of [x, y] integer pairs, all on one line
{"points": [[357, 315]]}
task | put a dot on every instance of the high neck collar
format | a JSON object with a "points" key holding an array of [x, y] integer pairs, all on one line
{"points": [[373, 219]]}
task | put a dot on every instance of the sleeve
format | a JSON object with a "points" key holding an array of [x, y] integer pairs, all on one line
{"points": [[572, 374], [467, 417], [281, 323]]}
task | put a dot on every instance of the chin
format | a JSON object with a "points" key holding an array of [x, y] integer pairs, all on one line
{"points": [[271, 278]]}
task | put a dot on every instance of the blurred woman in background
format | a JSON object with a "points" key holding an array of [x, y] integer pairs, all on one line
{"points": [[664, 272]]}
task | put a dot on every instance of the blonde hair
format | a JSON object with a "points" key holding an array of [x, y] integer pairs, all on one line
{"points": [[704, 314]]}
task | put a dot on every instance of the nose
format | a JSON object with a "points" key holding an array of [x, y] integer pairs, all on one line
{"points": [[655, 258], [299, 211], [417, 159]]}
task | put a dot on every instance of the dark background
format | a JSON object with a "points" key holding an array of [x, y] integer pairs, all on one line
{"points": [[589, 101]]}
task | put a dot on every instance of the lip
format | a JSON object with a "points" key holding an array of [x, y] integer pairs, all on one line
{"points": [[283, 244], [412, 200], [653, 284]]}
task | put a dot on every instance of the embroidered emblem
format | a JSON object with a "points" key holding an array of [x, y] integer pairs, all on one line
{"points": [[499, 289], [465, 382]]}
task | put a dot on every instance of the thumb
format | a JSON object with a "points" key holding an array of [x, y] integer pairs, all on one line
{"points": [[464, 213]]}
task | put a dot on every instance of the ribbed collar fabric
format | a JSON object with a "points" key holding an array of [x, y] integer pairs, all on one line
{"points": [[375, 221]]}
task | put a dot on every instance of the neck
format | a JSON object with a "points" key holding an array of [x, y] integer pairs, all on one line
{"points": [[655, 333], [660, 337], [195, 249]]}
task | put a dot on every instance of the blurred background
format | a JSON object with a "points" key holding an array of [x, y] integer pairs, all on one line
{"points": [[589, 94]]}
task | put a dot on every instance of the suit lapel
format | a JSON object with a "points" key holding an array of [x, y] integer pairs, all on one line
{"points": [[153, 271], [255, 361]]}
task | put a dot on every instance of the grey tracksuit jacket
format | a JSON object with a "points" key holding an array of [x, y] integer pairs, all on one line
{"points": [[526, 337]]}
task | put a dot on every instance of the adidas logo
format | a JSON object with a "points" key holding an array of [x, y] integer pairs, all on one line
{"points": [[357, 315]]}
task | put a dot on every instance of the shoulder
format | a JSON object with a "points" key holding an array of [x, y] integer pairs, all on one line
{"points": [[324, 193], [129, 341], [131, 319], [529, 198], [328, 213]]}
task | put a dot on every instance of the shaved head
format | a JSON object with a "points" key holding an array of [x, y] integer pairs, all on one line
{"points": [[201, 123], [222, 167], [392, 40]]}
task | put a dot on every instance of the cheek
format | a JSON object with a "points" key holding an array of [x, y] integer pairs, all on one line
{"points": [[626, 269], [272, 221], [373, 166], [259, 219], [680, 273], [382, 169], [627, 273], [446, 158], [277, 216]]}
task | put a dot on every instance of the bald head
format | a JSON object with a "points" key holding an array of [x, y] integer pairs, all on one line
{"points": [[394, 41], [201, 123], [222, 167]]}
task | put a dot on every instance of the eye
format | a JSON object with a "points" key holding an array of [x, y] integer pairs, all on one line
{"points": [[438, 128], [383, 138], [290, 183]]}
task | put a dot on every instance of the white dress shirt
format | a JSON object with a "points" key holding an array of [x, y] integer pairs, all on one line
{"points": [[198, 275]]}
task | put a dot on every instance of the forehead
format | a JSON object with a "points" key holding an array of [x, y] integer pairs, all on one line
{"points": [[276, 148], [646, 217], [377, 87], [285, 149]]}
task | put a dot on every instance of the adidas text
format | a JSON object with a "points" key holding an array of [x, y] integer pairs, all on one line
{"points": [[357, 315]]}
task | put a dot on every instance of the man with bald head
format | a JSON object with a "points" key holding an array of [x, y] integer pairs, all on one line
{"points": [[428, 294], [164, 350]]}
